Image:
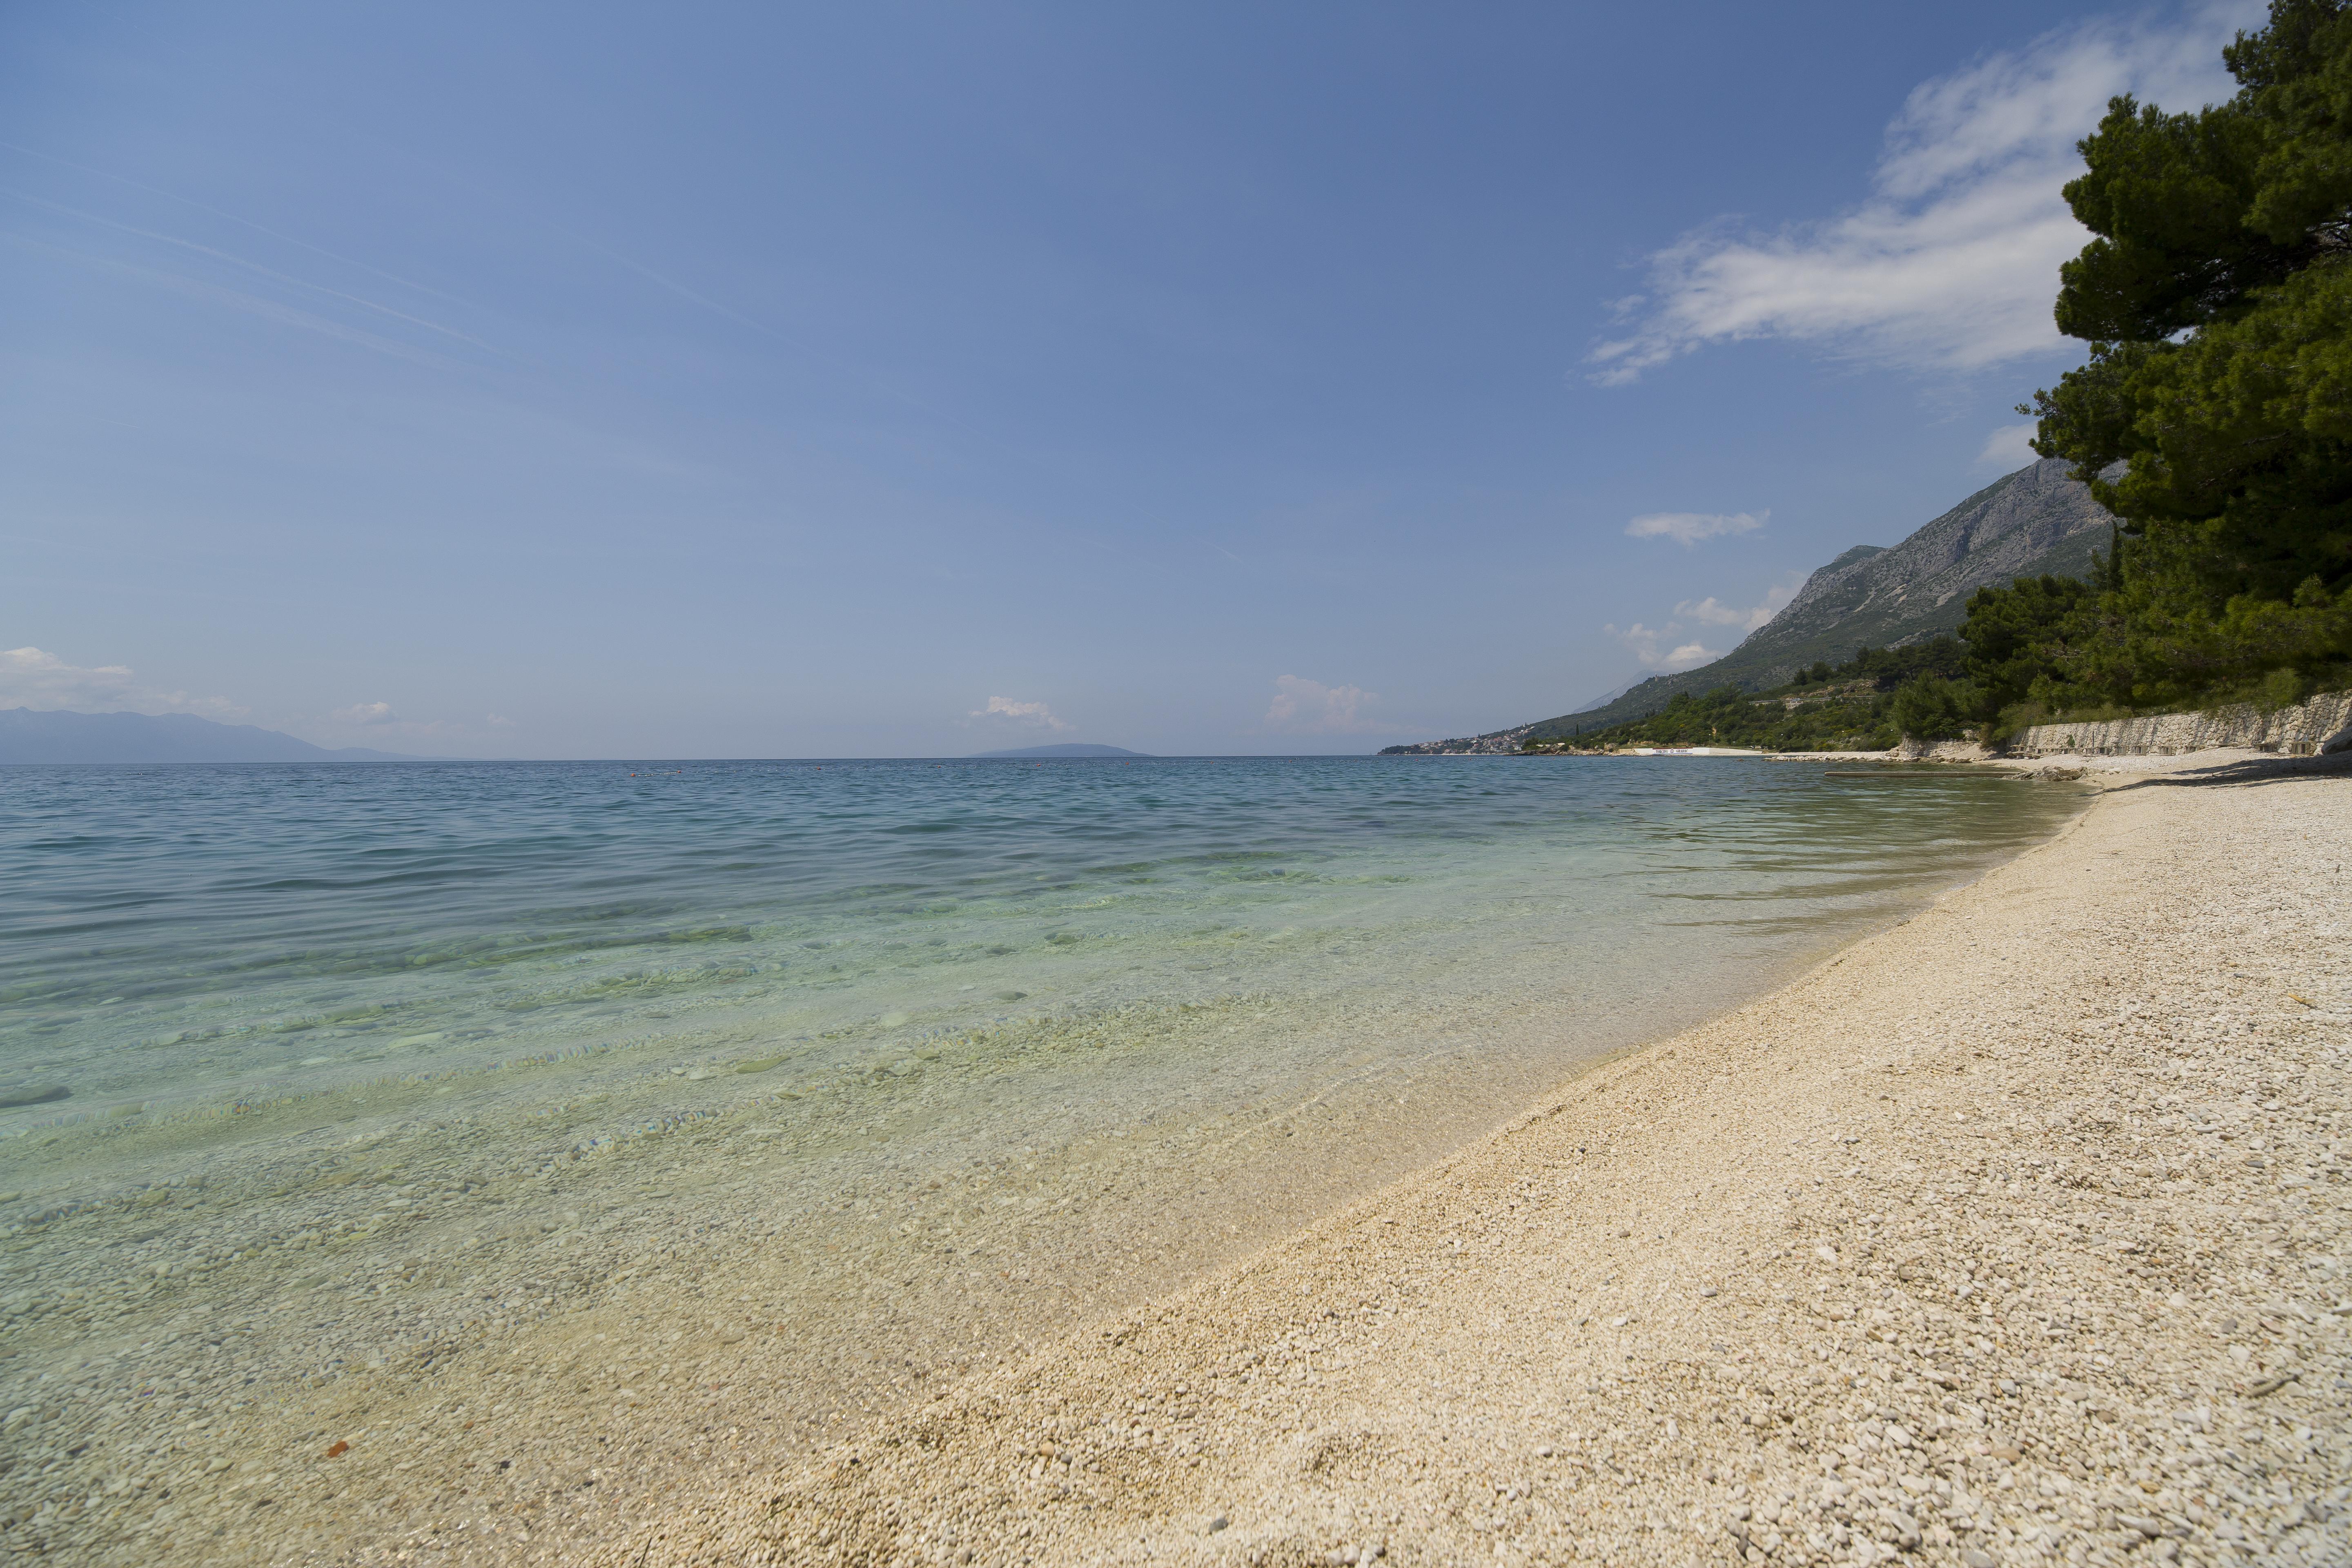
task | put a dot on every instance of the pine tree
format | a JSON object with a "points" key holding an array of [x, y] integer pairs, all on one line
{"points": [[2217, 299]]}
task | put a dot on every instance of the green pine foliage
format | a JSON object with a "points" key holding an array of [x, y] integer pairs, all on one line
{"points": [[1858, 705], [2217, 300], [2213, 417]]}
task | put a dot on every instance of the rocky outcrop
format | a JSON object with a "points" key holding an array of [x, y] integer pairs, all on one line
{"points": [[2322, 724], [2035, 522]]}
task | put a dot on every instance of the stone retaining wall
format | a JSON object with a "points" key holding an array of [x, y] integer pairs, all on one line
{"points": [[2322, 724]]}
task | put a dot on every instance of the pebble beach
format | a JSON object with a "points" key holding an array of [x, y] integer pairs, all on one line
{"points": [[2013, 1234], [403, 1180]]}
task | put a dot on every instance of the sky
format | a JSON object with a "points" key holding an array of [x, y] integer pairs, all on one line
{"points": [[743, 379]]}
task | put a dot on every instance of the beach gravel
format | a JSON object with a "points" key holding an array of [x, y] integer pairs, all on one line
{"points": [[2013, 1234]]}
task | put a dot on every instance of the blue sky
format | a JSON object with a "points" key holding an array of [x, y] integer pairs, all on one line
{"points": [[753, 381]]}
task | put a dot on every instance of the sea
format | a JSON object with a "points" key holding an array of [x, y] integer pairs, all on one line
{"points": [[581, 1111]]}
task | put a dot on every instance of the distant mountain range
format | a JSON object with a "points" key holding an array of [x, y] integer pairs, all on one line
{"points": [[29, 735], [2031, 524], [1071, 748]]}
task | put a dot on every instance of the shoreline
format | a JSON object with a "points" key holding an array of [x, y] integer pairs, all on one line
{"points": [[346, 1327], [2010, 1233]]}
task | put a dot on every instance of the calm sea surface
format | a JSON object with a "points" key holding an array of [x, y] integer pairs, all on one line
{"points": [[389, 1072], [207, 937]]}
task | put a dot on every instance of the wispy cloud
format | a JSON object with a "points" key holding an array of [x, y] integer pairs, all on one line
{"points": [[1715, 612], [1951, 264], [237, 300], [1303, 707], [365, 713], [1037, 715], [673, 286], [32, 678], [223, 212], [2008, 447], [1711, 611], [272, 274], [377, 723], [1687, 528], [1655, 649]]}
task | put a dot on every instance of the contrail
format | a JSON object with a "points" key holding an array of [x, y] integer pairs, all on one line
{"points": [[250, 266], [217, 212], [680, 290], [268, 309]]}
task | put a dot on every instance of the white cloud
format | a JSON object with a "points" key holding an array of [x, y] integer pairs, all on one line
{"points": [[1716, 613], [1033, 714], [1713, 611], [1657, 650], [30, 678], [2007, 448], [1687, 528], [380, 722], [1310, 708], [1951, 263]]}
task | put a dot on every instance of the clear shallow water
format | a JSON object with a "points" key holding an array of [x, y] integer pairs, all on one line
{"points": [[521, 1126], [187, 937]]}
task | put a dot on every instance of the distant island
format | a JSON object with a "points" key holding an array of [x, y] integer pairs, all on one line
{"points": [[1071, 748], [55, 736]]}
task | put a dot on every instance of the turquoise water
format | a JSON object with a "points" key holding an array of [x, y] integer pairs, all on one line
{"points": [[524, 1124], [216, 937]]}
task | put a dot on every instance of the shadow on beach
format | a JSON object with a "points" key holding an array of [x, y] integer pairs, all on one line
{"points": [[2249, 771]]}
